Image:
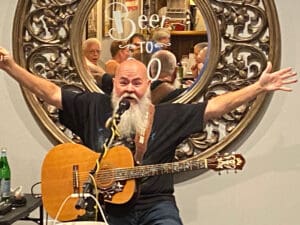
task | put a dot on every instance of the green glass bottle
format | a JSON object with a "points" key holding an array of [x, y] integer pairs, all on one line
{"points": [[0, 177], [5, 176]]}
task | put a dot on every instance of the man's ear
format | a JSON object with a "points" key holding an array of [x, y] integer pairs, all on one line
{"points": [[174, 75]]}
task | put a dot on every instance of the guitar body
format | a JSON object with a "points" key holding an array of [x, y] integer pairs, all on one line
{"points": [[58, 180], [67, 166], [117, 157]]}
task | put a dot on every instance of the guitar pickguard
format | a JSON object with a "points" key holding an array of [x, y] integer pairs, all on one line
{"points": [[109, 192]]}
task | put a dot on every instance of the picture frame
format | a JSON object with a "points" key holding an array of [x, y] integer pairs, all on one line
{"points": [[92, 23]]}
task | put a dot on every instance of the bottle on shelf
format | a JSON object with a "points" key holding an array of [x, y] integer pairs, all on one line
{"points": [[188, 22], [180, 73], [5, 176]]}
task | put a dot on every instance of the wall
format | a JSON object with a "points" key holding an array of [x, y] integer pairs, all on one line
{"points": [[264, 193]]}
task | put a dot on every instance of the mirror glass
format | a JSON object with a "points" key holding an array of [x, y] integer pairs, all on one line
{"points": [[242, 36], [140, 28]]}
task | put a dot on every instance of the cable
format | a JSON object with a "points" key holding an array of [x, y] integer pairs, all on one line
{"points": [[32, 191], [96, 189], [76, 195]]}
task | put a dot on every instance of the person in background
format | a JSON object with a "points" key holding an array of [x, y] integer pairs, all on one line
{"points": [[200, 51], [155, 130], [165, 88], [120, 52], [91, 49], [161, 39], [137, 44]]}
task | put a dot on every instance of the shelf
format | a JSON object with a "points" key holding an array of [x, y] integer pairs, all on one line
{"points": [[182, 42], [188, 33]]}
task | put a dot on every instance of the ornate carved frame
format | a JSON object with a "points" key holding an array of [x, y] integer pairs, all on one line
{"points": [[243, 36]]}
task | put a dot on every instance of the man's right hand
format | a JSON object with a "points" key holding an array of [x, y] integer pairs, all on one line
{"points": [[39, 86], [6, 59]]}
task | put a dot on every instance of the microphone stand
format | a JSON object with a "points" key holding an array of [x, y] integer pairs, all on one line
{"points": [[111, 124]]}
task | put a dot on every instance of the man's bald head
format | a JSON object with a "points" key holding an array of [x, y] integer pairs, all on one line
{"points": [[131, 78]]}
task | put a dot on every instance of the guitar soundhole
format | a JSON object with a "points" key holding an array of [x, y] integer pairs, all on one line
{"points": [[105, 178]]}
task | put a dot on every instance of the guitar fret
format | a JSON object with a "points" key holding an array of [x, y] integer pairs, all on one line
{"points": [[118, 174], [153, 170]]}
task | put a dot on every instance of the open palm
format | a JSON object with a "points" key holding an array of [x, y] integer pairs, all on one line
{"points": [[278, 79]]}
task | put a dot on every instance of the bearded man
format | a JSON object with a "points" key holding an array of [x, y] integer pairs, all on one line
{"points": [[155, 131]]}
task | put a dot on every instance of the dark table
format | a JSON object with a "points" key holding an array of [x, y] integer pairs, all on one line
{"points": [[23, 212]]}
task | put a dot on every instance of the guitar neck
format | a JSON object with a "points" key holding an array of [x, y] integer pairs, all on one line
{"points": [[159, 169]]}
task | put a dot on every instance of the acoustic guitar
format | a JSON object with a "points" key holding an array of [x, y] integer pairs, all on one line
{"points": [[67, 167]]}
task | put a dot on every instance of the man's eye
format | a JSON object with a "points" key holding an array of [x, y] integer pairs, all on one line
{"points": [[137, 83], [123, 82]]}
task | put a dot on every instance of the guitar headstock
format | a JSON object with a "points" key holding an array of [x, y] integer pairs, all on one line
{"points": [[227, 161]]}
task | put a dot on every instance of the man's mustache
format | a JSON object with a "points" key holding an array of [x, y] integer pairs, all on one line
{"points": [[129, 96]]}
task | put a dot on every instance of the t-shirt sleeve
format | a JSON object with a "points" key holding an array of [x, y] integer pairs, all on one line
{"points": [[194, 117], [75, 110], [182, 119]]}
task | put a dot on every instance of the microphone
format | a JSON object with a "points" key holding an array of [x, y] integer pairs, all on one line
{"points": [[87, 188], [123, 106], [113, 121]]}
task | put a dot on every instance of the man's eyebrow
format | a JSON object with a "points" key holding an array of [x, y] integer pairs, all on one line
{"points": [[122, 79]]}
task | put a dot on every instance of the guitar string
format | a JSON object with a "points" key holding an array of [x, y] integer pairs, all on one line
{"points": [[134, 172]]}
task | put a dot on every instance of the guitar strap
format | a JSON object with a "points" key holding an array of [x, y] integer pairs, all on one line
{"points": [[141, 138]]}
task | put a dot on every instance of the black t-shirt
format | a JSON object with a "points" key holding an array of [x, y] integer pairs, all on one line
{"points": [[86, 113], [172, 95]]}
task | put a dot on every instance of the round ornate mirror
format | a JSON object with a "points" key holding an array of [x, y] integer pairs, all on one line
{"points": [[242, 35]]}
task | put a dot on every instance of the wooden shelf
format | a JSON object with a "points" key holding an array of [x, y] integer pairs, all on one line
{"points": [[188, 33], [182, 42]]}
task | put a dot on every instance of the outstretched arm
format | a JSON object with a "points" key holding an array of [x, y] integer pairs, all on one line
{"points": [[42, 88], [268, 81]]}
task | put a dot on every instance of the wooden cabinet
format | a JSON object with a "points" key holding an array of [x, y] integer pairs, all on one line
{"points": [[182, 42]]}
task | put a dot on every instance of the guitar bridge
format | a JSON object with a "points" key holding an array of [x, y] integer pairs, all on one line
{"points": [[75, 179], [109, 192]]}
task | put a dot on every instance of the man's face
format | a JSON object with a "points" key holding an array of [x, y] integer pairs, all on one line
{"points": [[165, 41], [136, 41], [92, 53], [131, 81], [200, 54], [124, 53]]}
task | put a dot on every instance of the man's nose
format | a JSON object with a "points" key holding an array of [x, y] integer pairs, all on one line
{"points": [[130, 88]]}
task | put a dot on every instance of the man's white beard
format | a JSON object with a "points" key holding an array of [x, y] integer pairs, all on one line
{"points": [[134, 119]]}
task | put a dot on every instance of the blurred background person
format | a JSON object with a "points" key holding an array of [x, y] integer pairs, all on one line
{"points": [[119, 51], [137, 47], [92, 50], [161, 39], [166, 87], [200, 51], [135, 43]]}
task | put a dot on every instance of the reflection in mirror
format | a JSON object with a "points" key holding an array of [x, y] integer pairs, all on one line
{"points": [[91, 49], [243, 38], [145, 27]]}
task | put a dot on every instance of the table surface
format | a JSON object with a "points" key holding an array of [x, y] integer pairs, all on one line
{"points": [[19, 213]]}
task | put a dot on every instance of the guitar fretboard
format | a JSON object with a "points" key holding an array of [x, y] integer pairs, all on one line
{"points": [[150, 170]]}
